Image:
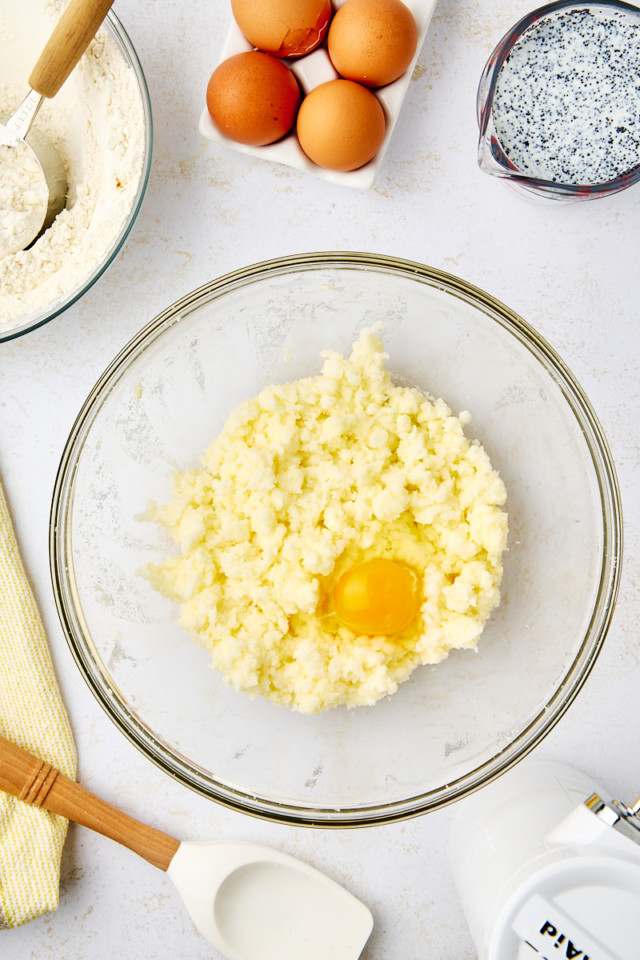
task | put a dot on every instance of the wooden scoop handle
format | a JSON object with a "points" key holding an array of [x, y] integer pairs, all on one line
{"points": [[37, 782], [71, 37]]}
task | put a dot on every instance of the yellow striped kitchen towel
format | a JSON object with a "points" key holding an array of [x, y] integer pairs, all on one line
{"points": [[33, 716]]}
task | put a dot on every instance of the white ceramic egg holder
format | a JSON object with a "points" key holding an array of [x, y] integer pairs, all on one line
{"points": [[310, 71]]}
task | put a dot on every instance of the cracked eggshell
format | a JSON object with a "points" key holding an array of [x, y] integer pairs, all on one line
{"points": [[285, 28]]}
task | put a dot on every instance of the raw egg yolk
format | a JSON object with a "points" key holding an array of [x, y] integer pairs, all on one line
{"points": [[377, 597]]}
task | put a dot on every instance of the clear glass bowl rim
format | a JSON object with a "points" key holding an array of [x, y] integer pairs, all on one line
{"points": [[366, 815], [128, 50], [486, 89]]}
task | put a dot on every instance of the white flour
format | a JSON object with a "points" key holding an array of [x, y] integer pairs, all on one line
{"points": [[97, 124]]}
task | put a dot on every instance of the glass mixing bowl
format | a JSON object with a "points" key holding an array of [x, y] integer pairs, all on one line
{"points": [[449, 728], [27, 322]]}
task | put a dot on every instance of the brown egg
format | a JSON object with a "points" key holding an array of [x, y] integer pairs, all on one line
{"points": [[341, 125], [253, 98], [372, 41], [285, 28]]}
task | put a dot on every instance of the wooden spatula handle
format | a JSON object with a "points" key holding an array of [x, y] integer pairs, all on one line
{"points": [[71, 37], [37, 782]]}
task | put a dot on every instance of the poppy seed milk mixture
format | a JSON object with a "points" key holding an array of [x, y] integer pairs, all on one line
{"points": [[566, 105]]}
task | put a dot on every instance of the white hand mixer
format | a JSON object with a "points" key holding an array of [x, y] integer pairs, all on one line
{"points": [[548, 868]]}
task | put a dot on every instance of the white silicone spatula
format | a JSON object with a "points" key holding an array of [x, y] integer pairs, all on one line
{"points": [[249, 901]]}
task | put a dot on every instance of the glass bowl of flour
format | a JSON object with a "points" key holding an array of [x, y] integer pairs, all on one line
{"points": [[450, 726], [557, 102], [100, 123]]}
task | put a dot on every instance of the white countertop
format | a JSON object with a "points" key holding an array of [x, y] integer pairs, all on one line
{"points": [[571, 271]]}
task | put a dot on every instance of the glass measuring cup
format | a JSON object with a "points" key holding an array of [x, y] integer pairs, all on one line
{"points": [[585, 99]]}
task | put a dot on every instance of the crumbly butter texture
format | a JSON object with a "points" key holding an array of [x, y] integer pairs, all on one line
{"points": [[305, 480]]}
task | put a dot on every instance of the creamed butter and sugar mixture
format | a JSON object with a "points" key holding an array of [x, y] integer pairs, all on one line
{"points": [[303, 482]]}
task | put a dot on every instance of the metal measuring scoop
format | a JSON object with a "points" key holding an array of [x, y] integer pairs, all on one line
{"points": [[33, 179]]}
